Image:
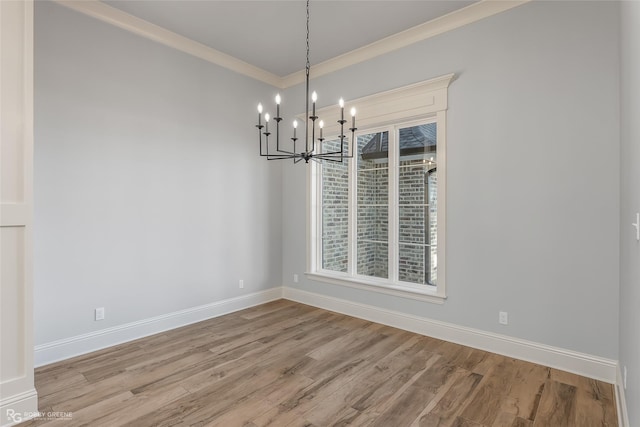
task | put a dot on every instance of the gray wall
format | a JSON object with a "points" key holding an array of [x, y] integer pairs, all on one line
{"points": [[533, 173], [149, 193], [138, 211], [630, 204]]}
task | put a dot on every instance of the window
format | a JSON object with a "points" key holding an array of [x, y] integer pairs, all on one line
{"points": [[377, 219]]}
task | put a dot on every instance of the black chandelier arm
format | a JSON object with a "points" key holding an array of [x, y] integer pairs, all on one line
{"points": [[281, 154], [313, 119], [329, 159], [266, 134], [341, 152], [335, 154], [278, 119], [274, 157], [341, 122], [284, 154], [259, 126]]}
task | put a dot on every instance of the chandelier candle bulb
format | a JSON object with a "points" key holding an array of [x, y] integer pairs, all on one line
{"points": [[314, 98], [353, 117], [295, 126], [259, 114], [341, 102], [278, 99], [266, 122], [321, 125]]}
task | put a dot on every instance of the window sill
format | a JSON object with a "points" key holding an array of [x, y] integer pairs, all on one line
{"points": [[398, 290]]}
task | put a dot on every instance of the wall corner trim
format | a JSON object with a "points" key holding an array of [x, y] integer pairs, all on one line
{"points": [[567, 360], [621, 402], [81, 344]]}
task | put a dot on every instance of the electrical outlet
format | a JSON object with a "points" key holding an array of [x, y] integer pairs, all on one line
{"points": [[295, 278], [99, 313], [241, 284], [503, 318], [624, 377]]}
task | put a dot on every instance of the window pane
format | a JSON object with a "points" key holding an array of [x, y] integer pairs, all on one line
{"points": [[335, 211], [373, 208], [373, 259], [417, 197], [412, 226], [411, 263], [373, 185]]}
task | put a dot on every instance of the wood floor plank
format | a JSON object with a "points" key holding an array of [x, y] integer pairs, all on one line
{"points": [[492, 391], [241, 415], [60, 381], [333, 403], [89, 414], [389, 374], [557, 405], [521, 422], [596, 406], [408, 406], [463, 422], [286, 364], [141, 403], [275, 417], [526, 390], [449, 407], [383, 394]]}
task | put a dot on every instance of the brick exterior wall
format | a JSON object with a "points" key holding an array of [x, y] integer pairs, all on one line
{"points": [[335, 211], [417, 217], [417, 222], [373, 216]]}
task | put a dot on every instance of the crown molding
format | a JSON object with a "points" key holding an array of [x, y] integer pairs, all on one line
{"points": [[456, 19], [111, 15]]}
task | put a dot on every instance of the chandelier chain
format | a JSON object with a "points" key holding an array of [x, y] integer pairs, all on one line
{"points": [[308, 65]]}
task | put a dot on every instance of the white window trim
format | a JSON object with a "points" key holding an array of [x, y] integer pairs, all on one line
{"points": [[414, 102]]}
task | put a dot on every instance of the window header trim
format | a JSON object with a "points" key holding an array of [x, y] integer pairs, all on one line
{"points": [[401, 104]]}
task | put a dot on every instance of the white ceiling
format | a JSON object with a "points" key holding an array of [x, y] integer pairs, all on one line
{"points": [[271, 34]]}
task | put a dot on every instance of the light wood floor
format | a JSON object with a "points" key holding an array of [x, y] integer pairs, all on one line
{"points": [[287, 364]]}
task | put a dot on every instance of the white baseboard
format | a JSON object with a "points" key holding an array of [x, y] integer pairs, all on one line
{"points": [[621, 401], [17, 408], [86, 343], [567, 360]]}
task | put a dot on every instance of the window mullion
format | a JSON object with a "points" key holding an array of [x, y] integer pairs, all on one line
{"points": [[392, 225], [314, 258], [352, 211]]}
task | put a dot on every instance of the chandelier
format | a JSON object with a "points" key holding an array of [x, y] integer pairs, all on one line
{"points": [[309, 152]]}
